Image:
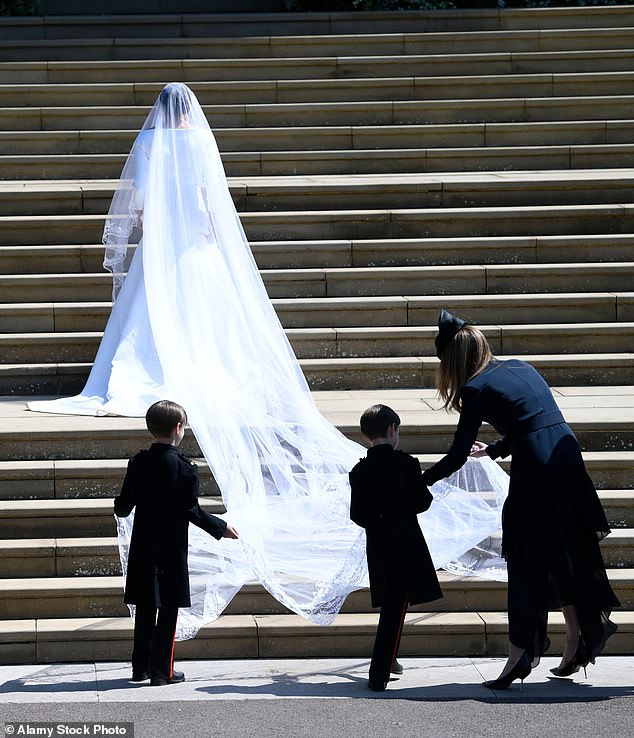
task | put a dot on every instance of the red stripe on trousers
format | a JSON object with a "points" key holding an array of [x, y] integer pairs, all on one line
{"points": [[172, 657], [398, 635]]}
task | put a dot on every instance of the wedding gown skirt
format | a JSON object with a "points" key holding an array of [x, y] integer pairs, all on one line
{"points": [[126, 377]]}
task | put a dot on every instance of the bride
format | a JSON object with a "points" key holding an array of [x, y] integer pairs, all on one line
{"points": [[192, 322]]}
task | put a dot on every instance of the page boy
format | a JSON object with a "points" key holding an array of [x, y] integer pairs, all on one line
{"points": [[387, 493], [163, 486]]}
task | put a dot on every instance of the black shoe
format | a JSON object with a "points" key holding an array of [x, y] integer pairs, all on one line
{"points": [[160, 680], [520, 671], [140, 676], [397, 668], [579, 661], [377, 687]]}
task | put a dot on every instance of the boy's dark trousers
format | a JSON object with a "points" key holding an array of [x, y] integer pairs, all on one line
{"points": [[154, 640], [388, 636]]}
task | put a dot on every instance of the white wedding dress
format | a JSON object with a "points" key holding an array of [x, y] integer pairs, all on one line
{"points": [[192, 322]]}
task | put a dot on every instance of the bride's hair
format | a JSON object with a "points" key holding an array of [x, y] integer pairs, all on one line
{"points": [[177, 94], [466, 355], [174, 105]]}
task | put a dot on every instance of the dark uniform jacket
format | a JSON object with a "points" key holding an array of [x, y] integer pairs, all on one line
{"points": [[163, 486], [387, 493]]}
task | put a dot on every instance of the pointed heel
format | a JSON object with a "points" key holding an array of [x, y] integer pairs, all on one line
{"points": [[579, 661], [520, 671]]}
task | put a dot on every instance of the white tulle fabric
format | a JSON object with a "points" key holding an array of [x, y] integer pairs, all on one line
{"points": [[192, 322]]}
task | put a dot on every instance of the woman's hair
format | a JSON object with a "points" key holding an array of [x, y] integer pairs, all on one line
{"points": [[376, 420], [466, 355], [175, 99], [163, 416]]}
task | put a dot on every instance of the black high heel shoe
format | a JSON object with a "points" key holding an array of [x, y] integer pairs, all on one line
{"points": [[520, 671], [579, 661]]}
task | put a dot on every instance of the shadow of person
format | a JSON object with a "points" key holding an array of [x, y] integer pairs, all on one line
{"points": [[355, 687], [56, 679]]}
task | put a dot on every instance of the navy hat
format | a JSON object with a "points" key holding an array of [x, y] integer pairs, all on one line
{"points": [[448, 326]]}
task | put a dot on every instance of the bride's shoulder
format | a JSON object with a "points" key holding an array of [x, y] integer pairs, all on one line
{"points": [[143, 141], [145, 135]]}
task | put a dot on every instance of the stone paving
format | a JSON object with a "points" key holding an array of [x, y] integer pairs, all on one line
{"points": [[422, 679]]}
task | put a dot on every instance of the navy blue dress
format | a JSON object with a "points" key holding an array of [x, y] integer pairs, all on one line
{"points": [[552, 520]]}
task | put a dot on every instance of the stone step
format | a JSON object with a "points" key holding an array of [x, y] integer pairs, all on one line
{"points": [[359, 312], [359, 253], [346, 373], [601, 416], [349, 43], [385, 223], [314, 67], [93, 550], [389, 372], [445, 222], [270, 636], [504, 279], [102, 596], [611, 471], [353, 312], [284, 91], [169, 24], [90, 479], [360, 192], [62, 547], [617, 505], [41, 641], [352, 138], [322, 343], [335, 114], [362, 161], [381, 112], [64, 557], [77, 519], [188, 51]]}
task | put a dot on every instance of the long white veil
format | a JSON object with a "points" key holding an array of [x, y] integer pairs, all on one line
{"points": [[192, 322]]}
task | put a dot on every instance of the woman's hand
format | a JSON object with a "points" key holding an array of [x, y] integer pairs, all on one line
{"points": [[230, 532], [478, 449]]}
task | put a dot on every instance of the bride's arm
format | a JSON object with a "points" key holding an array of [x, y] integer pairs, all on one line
{"points": [[141, 171]]}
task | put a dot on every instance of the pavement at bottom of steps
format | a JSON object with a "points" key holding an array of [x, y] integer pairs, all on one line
{"points": [[423, 679]]}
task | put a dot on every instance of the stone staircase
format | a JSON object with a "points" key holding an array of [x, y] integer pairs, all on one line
{"points": [[383, 165]]}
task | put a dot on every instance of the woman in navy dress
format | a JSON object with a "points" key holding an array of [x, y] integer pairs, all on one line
{"points": [[552, 520]]}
